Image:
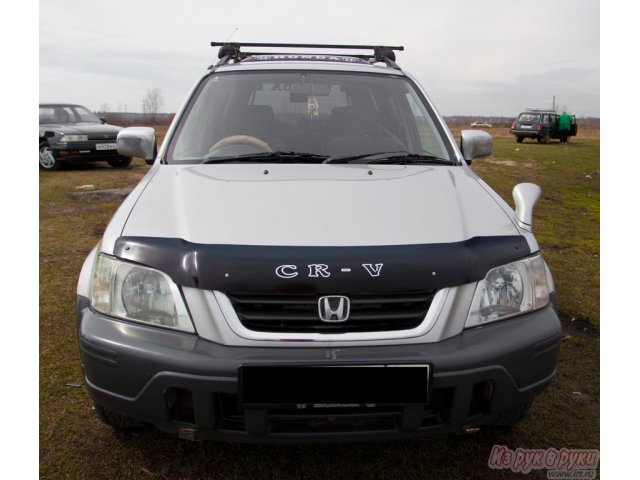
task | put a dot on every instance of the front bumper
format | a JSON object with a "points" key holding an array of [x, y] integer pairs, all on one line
{"points": [[526, 133], [84, 151], [181, 383]]}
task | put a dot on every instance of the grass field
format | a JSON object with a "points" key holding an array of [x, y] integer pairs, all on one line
{"points": [[74, 444]]}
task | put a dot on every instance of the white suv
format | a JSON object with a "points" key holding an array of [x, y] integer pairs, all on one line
{"points": [[310, 258]]}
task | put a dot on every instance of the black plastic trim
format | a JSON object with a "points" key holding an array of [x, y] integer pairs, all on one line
{"points": [[252, 268], [517, 356]]}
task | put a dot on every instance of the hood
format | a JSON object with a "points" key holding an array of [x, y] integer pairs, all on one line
{"points": [[316, 205], [81, 128]]}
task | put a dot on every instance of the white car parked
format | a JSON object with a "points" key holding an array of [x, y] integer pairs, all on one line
{"points": [[310, 258]]}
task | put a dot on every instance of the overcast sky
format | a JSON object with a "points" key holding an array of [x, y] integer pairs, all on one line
{"points": [[490, 57]]}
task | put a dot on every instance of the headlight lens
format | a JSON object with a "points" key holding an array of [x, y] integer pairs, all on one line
{"points": [[140, 294], [74, 138], [510, 290]]}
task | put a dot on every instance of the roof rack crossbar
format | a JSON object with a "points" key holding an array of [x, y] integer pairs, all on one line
{"points": [[251, 54], [231, 50], [305, 45]]}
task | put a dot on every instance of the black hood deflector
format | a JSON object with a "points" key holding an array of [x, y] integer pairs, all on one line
{"points": [[252, 268]]}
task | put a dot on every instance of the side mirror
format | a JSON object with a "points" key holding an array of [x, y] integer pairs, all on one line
{"points": [[525, 196], [138, 142], [475, 144], [103, 120]]}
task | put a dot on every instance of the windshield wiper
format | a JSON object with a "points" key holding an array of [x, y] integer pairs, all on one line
{"points": [[272, 157], [396, 158], [401, 157]]}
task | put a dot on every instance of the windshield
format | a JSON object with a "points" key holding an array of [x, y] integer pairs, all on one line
{"points": [[316, 113], [85, 116], [66, 114], [528, 118]]}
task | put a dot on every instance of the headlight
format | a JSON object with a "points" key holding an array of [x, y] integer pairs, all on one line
{"points": [[510, 290], [140, 294], [74, 138]]}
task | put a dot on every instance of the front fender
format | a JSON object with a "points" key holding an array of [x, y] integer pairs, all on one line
{"points": [[84, 281]]}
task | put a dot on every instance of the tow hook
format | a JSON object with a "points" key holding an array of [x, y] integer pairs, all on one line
{"points": [[187, 433]]}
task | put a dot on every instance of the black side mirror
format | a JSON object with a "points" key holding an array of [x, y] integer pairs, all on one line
{"points": [[103, 120], [149, 161]]}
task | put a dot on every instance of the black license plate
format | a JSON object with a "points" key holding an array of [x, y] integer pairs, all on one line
{"points": [[268, 385]]}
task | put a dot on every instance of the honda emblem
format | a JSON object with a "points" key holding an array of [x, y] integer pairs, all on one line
{"points": [[333, 308]]}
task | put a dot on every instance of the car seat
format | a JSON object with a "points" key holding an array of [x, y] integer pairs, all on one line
{"points": [[256, 121], [358, 131]]}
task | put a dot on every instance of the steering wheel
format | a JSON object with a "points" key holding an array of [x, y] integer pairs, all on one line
{"points": [[241, 140], [385, 130]]}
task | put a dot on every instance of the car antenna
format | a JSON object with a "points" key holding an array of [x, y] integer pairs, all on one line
{"points": [[231, 35]]}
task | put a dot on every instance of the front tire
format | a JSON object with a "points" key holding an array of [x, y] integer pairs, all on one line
{"points": [[47, 160], [119, 162], [545, 139]]}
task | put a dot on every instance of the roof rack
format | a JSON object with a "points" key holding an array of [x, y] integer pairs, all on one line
{"points": [[231, 51], [540, 110]]}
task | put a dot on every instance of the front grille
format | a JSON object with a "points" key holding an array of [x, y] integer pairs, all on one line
{"points": [[102, 136], [298, 313]]}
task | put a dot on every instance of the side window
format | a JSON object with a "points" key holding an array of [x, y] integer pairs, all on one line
{"points": [[47, 115], [545, 118], [428, 136], [70, 115]]}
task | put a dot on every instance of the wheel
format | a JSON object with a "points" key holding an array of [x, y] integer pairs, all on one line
{"points": [[119, 162], [47, 160], [519, 139], [546, 138], [510, 417], [116, 420]]}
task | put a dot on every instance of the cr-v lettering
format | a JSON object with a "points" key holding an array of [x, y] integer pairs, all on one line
{"points": [[322, 270]]}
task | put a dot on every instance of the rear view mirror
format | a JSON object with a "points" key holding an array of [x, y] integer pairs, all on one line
{"points": [[298, 97], [138, 142], [475, 144]]}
